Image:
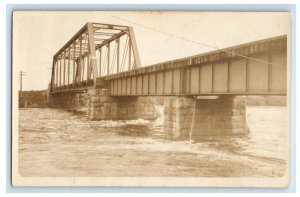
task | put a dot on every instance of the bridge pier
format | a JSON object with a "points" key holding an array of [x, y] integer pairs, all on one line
{"points": [[64, 100], [185, 117], [101, 106], [191, 118]]}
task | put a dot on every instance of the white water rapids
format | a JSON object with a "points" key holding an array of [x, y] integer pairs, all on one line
{"points": [[54, 142]]}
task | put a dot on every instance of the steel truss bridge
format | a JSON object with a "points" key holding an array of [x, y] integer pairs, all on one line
{"points": [[106, 56]]}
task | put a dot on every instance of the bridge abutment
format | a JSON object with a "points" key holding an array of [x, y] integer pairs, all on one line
{"points": [[191, 118]]}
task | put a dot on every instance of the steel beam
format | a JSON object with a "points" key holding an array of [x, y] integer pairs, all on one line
{"points": [[134, 48], [56, 75], [118, 54], [52, 75], [79, 65], [129, 54], [108, 57], [100, 61], [73, 82], [87, 70], [229, 77], [64, 78], [60, 72], [72, 40], [92, 52], [69, 61], [110, 40], [109, 26]]}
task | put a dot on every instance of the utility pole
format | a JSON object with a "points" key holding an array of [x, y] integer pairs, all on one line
{"points": [[22, 73]]}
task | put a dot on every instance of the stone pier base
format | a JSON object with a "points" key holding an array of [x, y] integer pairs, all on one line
{"points": [[178, 115], [104, 107], [190, 118], [64, 100]]}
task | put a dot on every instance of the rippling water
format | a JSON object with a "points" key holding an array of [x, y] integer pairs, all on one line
{"points": [[55, 142]]}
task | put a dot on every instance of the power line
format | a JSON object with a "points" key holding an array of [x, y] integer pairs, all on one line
{"points": [[196, 42]]}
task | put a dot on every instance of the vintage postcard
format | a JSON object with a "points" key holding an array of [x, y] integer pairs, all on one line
{"points": [[151, 98]]}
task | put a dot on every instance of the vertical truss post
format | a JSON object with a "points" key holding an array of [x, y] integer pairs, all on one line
{"points": [[52, 75], [100, 60], [64, 78], [108, 57], [129, 53], [56, 74], [83, 66], [93, 59], [118, 54], [74, 53], [69, 60], [78, 77], [87, 70], [60, 72], [134, 48]]}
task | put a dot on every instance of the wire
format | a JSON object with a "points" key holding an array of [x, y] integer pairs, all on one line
{"points": [[198, 43]]}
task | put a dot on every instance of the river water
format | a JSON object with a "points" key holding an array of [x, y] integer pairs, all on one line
{"points": [[55, 142]]}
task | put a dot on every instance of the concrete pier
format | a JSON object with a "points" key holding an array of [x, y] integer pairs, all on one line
{"points": [[101, 106], [178, 115], [190, 118]]}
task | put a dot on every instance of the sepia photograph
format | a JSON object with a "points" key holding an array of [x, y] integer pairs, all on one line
{"points": [[151, 98]]}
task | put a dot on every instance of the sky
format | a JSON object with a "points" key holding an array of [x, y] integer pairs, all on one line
{"points": [[38, 35]]}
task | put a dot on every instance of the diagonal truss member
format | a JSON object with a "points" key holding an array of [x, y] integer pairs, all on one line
{"points": [[95, 50]]}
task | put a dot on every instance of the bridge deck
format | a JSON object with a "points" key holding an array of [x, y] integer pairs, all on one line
{"points": [[214, 73]]}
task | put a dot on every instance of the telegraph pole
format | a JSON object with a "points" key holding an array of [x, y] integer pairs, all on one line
{"points": [[22, 73]]}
